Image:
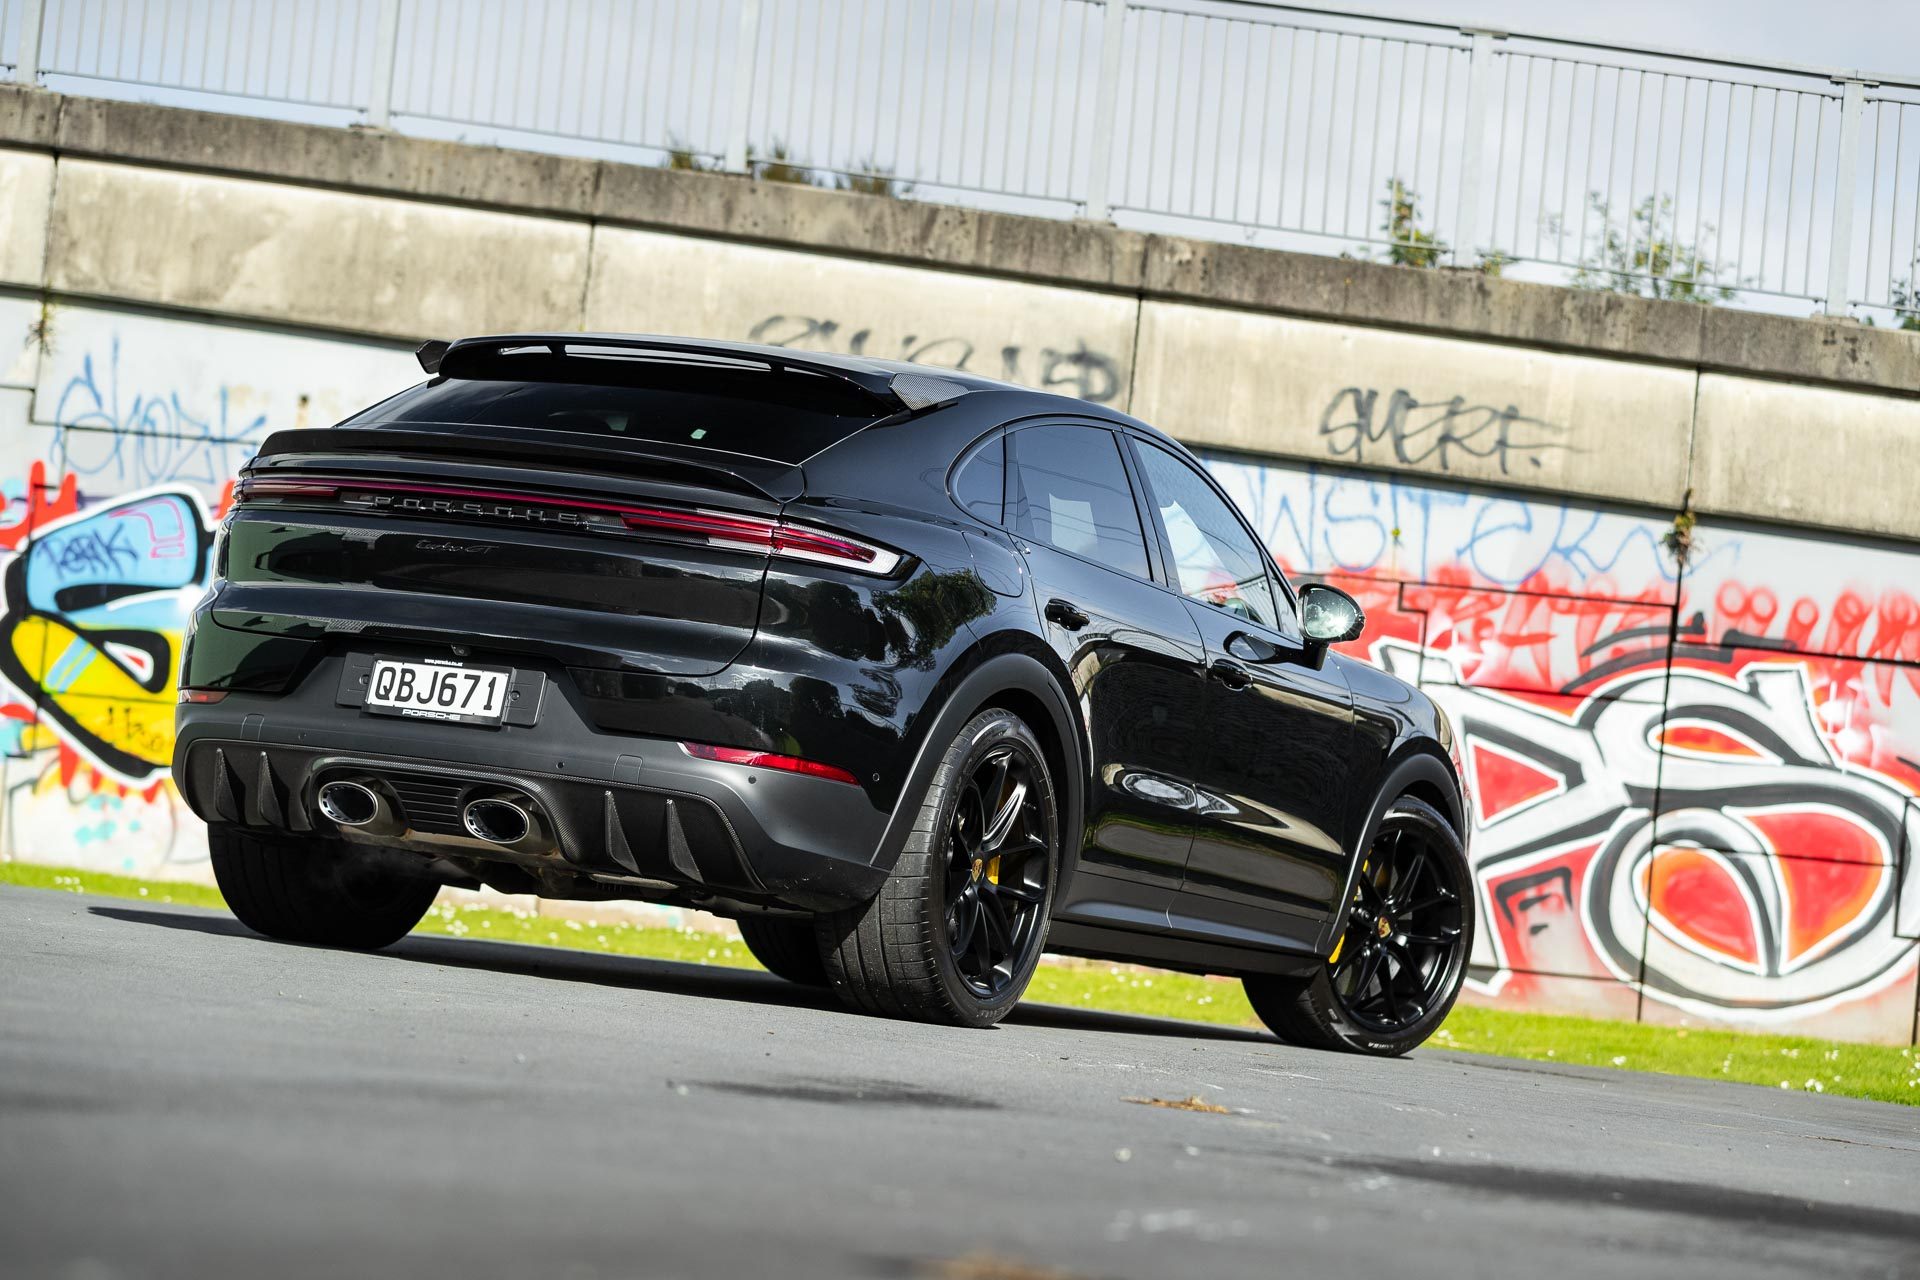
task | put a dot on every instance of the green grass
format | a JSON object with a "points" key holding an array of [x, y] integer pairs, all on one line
{"points": [[1884, 1072]]}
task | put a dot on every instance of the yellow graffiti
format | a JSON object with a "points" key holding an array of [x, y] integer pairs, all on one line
{"points": [[102, 698]]}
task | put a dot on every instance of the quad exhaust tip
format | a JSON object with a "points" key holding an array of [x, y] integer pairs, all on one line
{"points": [[497, 821], [351, 804]]}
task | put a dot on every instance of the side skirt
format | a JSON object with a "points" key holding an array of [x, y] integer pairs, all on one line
{"points": [[1185, 955]]}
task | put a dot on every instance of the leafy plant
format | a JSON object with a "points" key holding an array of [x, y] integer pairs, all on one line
{"points": [[1409, 246], [40, 329], [778, 166], [1678, 540], [1904, 297], [684, 158], [1642, 254], [873, 179]]}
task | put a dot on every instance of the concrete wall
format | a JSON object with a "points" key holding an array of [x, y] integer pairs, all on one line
{"points": [[1696, 777]]}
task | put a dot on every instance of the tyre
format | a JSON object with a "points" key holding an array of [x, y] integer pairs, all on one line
{"points": [[786, 947], [308, 891], [1398, 965], [956, 931]]}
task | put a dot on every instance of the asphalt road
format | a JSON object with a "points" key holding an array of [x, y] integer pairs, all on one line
{"points": [[180, 1098]]}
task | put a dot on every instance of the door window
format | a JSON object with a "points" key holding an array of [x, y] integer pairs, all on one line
{"points": [[1070, 491], [1215, 559]]}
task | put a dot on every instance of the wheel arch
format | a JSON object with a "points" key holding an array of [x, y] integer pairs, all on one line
{"points": [[1421, 772], [1017, 681]]}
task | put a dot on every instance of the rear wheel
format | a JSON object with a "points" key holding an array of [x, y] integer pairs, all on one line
{"points": [[306, 891], [956, 931], [786, 947], [1397, 968]]}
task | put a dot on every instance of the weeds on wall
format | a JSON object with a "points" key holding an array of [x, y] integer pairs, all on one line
{"points": [[1904, 297], [777, 164], [40, 329], [1678, 539], [1643, 255], [1409, 245]]}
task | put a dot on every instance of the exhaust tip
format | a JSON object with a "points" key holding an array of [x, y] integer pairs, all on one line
{"points": [[497, 821], [349, 803]]}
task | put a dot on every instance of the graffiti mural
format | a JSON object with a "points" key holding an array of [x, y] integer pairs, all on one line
{"points": [[1696, 785], [95, 606], [105, 535]]}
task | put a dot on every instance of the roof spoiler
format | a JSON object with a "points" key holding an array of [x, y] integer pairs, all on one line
{"points": [[893, 391]]}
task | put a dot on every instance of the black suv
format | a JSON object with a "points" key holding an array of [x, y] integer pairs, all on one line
{"points": [[911, 672]]}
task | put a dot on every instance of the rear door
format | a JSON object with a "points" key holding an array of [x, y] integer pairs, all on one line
{"points": [[1272, 771], [1134, 655]]}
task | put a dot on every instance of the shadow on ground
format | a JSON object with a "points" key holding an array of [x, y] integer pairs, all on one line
{"points": [[667, 976]]}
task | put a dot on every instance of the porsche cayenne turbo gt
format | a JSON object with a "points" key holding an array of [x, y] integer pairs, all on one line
{"points": [[912, 673]]}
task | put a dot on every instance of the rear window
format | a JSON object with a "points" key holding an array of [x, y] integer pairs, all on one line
{"points": [[785, 417]]}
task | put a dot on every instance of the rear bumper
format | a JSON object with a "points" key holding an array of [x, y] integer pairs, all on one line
{"points": [[616, 806]]}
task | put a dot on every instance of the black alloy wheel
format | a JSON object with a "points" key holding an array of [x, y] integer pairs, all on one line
{"points": [[1401, 954], [1394, 973], [955, 933], [997, 870]]}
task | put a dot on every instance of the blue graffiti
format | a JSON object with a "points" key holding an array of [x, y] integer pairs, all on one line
{"points": [[1317, 520], [145, 439]]}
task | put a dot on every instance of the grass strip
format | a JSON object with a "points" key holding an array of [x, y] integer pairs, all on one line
{"points": [[1888, 1073]]}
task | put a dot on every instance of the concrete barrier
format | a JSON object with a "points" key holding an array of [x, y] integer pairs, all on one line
{"points": [[1040, 335], [1413, 403]]}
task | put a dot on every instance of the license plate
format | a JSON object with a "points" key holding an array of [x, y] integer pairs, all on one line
{"points": [[447, 691]]}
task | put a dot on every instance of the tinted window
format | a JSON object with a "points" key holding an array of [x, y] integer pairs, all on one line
{"points": [[785, 418], [980, 483], [1070, 491], [1215, 559]]}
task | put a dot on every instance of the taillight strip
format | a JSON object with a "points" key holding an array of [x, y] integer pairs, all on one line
{"points": [[767, 760], [777, 536]]}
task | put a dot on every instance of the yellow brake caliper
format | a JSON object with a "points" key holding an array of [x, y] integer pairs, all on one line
{"points": [[1341, 942]]}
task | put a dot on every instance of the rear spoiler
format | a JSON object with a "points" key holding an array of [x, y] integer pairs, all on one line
{"points": [[891, 390], [776, 481]]}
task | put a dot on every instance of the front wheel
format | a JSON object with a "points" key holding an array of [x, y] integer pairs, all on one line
{"points": [[305, 891], [1398, 965], [956, 931]]}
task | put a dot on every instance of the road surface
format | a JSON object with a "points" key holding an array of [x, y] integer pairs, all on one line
{"points": [[181, 1098]]}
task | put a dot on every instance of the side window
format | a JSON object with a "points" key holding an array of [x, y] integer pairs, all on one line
{"points": [[1215, 559], [980, 481], [1070, 491]]}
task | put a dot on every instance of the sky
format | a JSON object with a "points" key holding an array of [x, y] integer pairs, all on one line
{"points": [[1880, 36]]}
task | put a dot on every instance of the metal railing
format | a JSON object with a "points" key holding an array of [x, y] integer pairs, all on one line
{"points": [[1636, 169]]}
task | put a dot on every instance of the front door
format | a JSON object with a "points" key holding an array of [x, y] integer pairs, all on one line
{"points": [[1135, 658], [1266, 864]]}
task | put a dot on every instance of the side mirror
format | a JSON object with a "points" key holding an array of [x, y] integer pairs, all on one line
{"points": [[1329, 615]]}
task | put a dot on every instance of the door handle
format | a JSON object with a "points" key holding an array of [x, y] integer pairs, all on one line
{"points": [[1230, 674], [1251, 648], [1063, 613]]}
